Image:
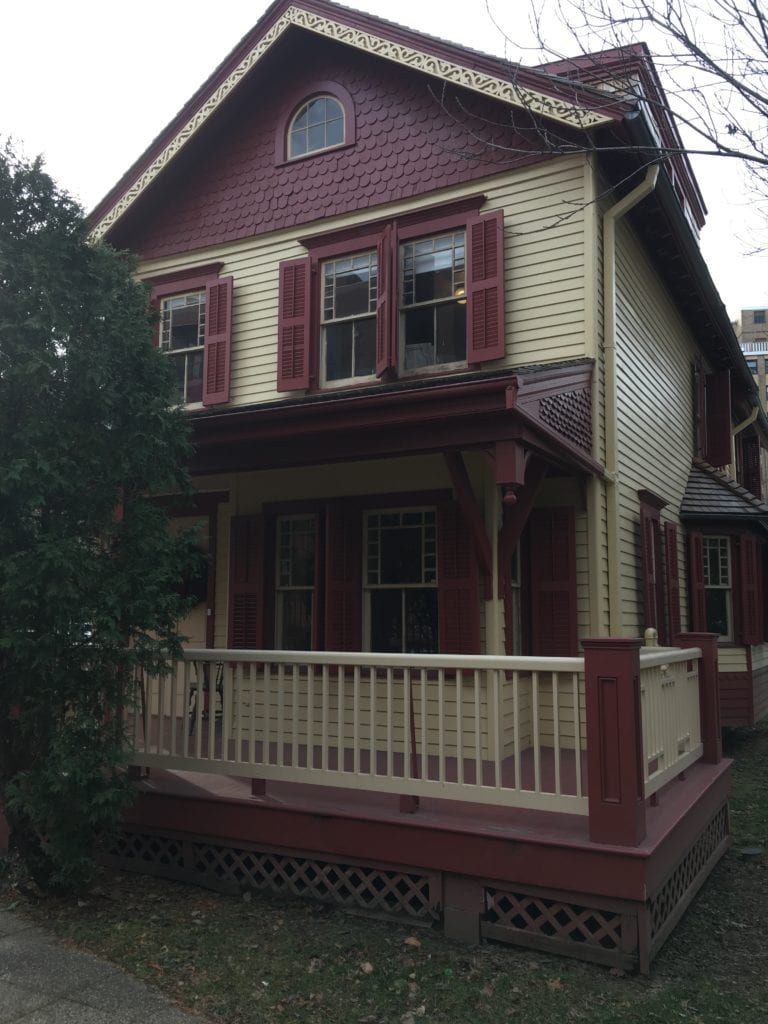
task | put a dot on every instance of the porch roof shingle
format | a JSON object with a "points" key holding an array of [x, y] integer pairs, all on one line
{"points": [[711, 494]]}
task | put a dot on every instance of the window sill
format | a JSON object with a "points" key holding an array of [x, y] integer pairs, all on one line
{"points": [[313, 155]]}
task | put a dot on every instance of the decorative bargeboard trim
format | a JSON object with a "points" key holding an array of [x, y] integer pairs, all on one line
{"points": [[553, 108]]}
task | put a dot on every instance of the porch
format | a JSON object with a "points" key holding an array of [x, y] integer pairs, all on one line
{"points": [[571, 804]]}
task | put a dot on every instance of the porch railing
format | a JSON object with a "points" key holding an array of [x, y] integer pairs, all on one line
{"points": [[488, 730], [669, 691], [520, 732]]}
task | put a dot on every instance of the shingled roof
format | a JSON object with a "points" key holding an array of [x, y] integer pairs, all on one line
{"points": [[711, 495]]}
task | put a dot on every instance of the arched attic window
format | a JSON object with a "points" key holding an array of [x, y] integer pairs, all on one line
{"points": [[317, 124], [315, 120]]}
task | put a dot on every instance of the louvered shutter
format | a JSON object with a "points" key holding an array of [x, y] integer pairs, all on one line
{"points": [[458, 581], [343, 578], [552, 538], [486, 337], [293, 326], [698, 601], [218, 341], [672, 581], [386, 356], [649, 570], [718, 418], [246, 582], [750, 465], [750, 580]]}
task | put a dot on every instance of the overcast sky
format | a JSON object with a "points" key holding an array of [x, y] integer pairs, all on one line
{"points": [[89, 84]]}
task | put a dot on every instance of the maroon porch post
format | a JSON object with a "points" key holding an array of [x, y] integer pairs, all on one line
{"points": [[614, 740], [709, 693]]}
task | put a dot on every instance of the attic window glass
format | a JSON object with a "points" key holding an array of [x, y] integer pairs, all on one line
{"points": [[182, 338], [318, 124]]}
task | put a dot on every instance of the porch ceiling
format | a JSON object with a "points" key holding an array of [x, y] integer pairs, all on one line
{"points": [[544, 408]]}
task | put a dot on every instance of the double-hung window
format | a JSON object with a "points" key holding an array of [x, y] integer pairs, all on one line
{"points": [[194, 331], [407, 297], [348, 341], [182, 337], [401, 580], [296, 580], [433, 301], [718, 587]]}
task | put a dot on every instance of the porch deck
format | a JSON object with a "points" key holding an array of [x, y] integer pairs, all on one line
{"points": [[575, 805]]}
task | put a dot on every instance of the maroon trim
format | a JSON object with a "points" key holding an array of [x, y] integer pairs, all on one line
{"points": [[191, 273], [470, 509], [365, 236], [614, 741], [189, 282], [366, 502], [290, 109]]}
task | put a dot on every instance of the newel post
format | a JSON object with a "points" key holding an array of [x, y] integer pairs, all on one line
{"points": [[709, 693], [614, 741]]}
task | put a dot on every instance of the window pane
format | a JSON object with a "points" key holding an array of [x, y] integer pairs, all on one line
{"points": [[419, 327], [365, 347], [386, 621], [195, 376], [295, 620], [717, 611], [353, 291], [421, 621], [298, 142], [338, 351], [401, 555], [315, 137], [334, 134], [316, 111], [179, 371], [451, 344], [296, 542]]}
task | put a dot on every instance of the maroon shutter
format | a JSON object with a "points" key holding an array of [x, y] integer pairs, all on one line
{"points": [[649, 569], [486, 337], [718, 418], [698, 623], [386, 357], [700, 408], [672, 581], [552, 537], [155, 307], [246, 582], [218, 341], [293, 326], [750, 464], [343, 578], [458, 581], [750, 580]]}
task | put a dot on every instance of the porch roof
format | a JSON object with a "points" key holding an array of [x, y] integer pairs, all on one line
{"points": [[711, 495], [545, 408]]}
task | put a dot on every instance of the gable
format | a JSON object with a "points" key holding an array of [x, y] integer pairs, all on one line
{"points": [[410, 138], [530, 91]]}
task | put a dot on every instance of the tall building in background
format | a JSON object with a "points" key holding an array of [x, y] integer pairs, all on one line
{"points": [[752, 331]]}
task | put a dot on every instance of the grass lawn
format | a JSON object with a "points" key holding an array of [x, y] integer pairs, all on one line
{"points": [[243, 961]]}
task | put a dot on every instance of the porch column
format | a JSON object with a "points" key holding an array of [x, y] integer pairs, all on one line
{"points": [[614, 741], [709, 693]]}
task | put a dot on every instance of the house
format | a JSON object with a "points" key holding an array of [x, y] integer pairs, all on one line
{"points": [[464, 397], [752, 332]]}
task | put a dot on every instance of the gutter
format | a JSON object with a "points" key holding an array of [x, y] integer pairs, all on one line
{"points": [[610, 218]]}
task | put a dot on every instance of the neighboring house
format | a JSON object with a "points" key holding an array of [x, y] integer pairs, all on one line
{"points": [[452, 393], [752, 331]]}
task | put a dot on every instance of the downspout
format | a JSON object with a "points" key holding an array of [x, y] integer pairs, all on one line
{"points": [[610, 218]]}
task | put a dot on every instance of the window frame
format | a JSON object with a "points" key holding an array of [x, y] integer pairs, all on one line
{"points": [[730, 636], [322, 377], [300, 348], [206, 279], [293, 107]]}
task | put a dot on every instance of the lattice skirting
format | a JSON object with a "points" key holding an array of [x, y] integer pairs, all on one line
{"points": [[588, 928], [364, 886], [668, 903]]}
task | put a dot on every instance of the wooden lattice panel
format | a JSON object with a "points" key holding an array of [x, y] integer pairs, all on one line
{"points": [[555, 920], [369, 888], [570, 414], [688, 872], [157, 851]]}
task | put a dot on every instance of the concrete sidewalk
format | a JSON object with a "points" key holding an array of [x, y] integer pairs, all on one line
{"points": [[42, 981]]}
